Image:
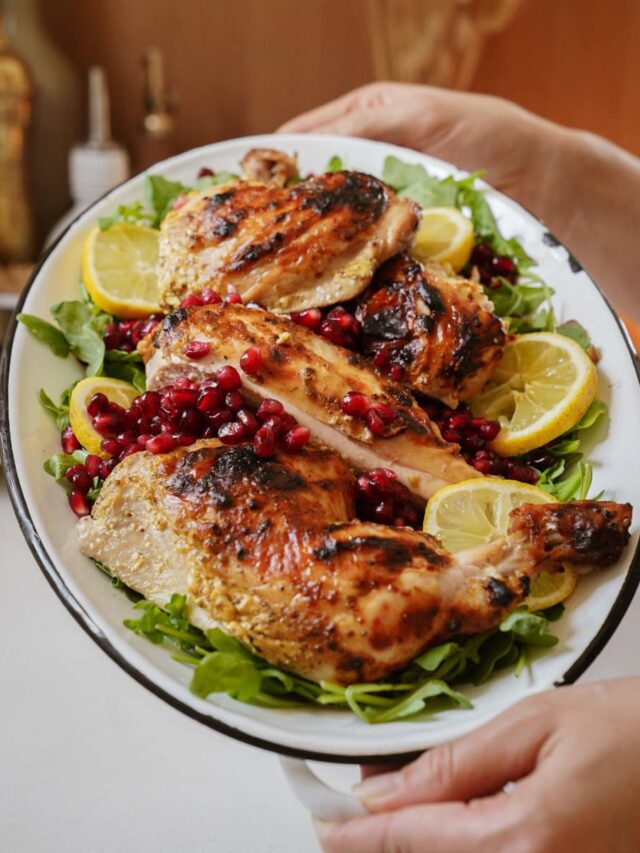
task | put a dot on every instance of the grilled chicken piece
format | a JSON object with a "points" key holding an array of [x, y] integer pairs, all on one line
{"points": [[310, 376], [316, 243], [269, 166], [439, 328], [269, 550]]}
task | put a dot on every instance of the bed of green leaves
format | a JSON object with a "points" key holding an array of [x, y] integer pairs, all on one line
{"points": [[222, 664]]}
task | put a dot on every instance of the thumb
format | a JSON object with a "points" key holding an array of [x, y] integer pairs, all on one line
{"points": [[477, 765]]}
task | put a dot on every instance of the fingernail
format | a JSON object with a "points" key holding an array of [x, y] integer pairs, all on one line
{"points": [[377, 789], [323, 828]]}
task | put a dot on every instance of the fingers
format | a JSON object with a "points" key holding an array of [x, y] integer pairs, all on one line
{"points": [[441, 828], [479, 764], [364, 98]]}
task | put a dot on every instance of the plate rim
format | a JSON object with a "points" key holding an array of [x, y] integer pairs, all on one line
{"points": [[47, 564]]}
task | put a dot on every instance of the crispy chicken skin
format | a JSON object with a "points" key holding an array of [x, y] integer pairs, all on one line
{"points": [[310, 376], [269, 550], [315, 243], [269, 166], [439, 328]]}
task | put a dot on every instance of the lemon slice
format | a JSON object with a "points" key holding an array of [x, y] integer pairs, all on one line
{"points": [[541, 388], [119, 269], [444, 235], [476, 512], [551, 589], [116, 390]]}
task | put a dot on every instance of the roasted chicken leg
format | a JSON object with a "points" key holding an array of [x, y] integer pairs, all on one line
{"points": [[311, 376], [315, 243], [270, 550]]}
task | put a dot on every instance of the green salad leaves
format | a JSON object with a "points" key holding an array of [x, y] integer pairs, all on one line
{"points": [[221, 664]]}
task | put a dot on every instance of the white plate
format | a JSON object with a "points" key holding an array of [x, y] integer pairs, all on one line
{"points": [[28, 438]]}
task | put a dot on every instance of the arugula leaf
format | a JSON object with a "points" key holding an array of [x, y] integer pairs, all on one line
{"points": [[214, 180], [58, 464], [46, 333], [572, 329], [60, 413], [133, 213], [220, 672], [82, 325], [161, 194], [335, 164], [529, 628], [127, 366]]}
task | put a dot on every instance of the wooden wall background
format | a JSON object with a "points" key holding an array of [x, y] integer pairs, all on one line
{"points": [[244, 66]]}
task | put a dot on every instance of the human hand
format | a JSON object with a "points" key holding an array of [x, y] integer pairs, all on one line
{"points": [[583, 187], [574, 755]]}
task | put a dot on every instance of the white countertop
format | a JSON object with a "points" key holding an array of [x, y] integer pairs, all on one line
{"points": [[91, 762]]}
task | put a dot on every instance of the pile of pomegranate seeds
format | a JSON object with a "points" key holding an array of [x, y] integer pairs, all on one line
{"points": [[376, 415], [473, 434], [177, 416], [491, 266], [381, 498], [125, 335]]}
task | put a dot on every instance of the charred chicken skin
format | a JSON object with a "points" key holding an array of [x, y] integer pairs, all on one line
{"points": [[270, 551], [311, 377], [439, 329], [288, 248]]}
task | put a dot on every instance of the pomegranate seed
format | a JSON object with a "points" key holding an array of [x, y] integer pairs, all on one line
{"points": [[142, 425], [355, 404], [251, 360], [375, 424], [179, 201], [383, 512], [127, 437], [211, 399], [505, 267], [169, 425], [191, 422], [332, 333], [107, 424], [149, 402], [97, 404], [79, 503], [107, 466], [68, 441], [269, 407], [522, 473], [541, 460], [184, 439], [162, 443], [233, 298], [143, 438], [131, 449], [310, 318], [72, 471], [92, 464], [248, 421], [219, 419], [228, 378], [489, 430], [156, 425], [115, 409], [297, 438], [111, 446], [396, 373], [275, 424], [205, 172], [184, 398], [383, 479], [410, 515], [460, 420], [288, 422], [484, 466], [381, 359], [387, 414], [234, 401], [232, 433], [112, 340], [210, 297], [264, 443], [196, 349], [192, 300], [451, 435]]}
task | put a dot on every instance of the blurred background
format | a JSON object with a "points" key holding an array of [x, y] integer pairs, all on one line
{"points": [[183, 74]]}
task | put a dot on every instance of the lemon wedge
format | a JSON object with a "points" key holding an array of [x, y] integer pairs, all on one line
{"points": [[476, 512], [116, 390], [444, 235], [541, 388], [119, 269]]}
